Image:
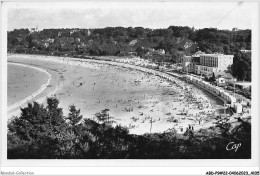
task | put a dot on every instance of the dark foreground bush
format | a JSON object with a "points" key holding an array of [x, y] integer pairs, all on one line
{"points": [[45, 133]]}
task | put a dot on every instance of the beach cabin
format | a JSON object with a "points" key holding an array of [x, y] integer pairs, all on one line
{"points": [[206, 85], [232, 100], [238, 108], [211, 88], [220, 91], [221, 82], [217, 90]]}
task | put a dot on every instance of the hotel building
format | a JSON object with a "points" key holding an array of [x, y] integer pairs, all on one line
{"points": [[210, 63]]}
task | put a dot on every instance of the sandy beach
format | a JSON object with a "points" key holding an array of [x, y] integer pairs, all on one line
{"points": [[141, 101]]}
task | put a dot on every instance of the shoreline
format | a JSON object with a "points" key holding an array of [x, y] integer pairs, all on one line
{"points": [[113, 61], [34, 94], [150, 103]]}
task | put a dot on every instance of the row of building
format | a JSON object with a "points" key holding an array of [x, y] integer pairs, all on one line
{"points": [[229, 99], [205, 64]]}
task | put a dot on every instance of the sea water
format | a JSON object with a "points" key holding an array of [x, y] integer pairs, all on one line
{"points": [[22, 81]]}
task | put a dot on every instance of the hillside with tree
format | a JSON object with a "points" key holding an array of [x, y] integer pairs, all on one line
{"points": [[120, 41]]}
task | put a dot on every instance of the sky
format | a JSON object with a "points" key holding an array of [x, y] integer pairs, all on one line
{"points": [[223, 15]]}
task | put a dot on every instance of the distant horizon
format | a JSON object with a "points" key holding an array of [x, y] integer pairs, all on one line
{"points": [[132, 27], [153, 15]]}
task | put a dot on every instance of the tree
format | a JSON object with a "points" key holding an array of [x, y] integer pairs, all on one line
{"points": [[34, 135], [41, 128], [104, 117], [74, 116], [140, 32], [140, 51], [168, 44], [105, 41], [212, 78], [241, 67], [181, 31], [226, 49]]}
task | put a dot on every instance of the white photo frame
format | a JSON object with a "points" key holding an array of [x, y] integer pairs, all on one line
{"points": [[130, 166]]}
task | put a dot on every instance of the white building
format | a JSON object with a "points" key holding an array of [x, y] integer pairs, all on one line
{"points": [[210, 63], [238, 108], [245, 51], [32, 30]]}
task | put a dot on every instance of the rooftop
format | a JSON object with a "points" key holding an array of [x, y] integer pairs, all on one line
{"points": [[244, 83], [198, 53], [215, 54], [223, 75]]}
